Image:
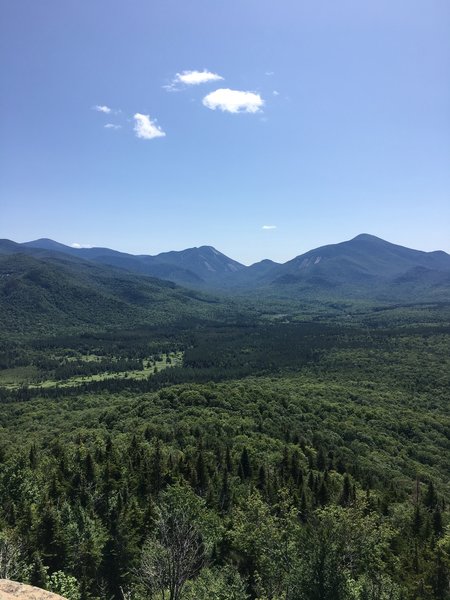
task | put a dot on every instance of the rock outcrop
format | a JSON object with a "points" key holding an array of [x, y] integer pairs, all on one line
{"points": [[12, 590]]}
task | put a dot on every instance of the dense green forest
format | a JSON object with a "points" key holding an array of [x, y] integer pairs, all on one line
{"points": [[217, 381], [294, 456]]}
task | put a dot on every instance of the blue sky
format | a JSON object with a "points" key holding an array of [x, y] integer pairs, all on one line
{"points": [[345, 127]]}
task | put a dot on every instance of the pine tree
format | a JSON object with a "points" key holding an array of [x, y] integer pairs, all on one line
{"points": [[33, 457], [49, 539], [321, 459], [322, 494], [346, 494], [437, 521], [303, 508], [225, 494], [89, 468], [440, 577], [417, 522], [430, 499], [228, 461], [285, 463], [156, 473], [245, 466], [262, 480], [330, 465], [201, 474], [38, 573], [294, 467]]}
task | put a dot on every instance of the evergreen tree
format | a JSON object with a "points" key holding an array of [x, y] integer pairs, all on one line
{"points": [[321, 459], [228, 461], [89, 468], [38, 573], [346, 494], [322, 494], [440, 581], [33, 457], [262, 479], [245, 468], [430, 499], [437, 521], [49, 539], [417, 522], [225, 494], [201, 474], [157, 468]]}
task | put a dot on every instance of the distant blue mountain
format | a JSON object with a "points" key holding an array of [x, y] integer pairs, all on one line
{"points": [[365, 266]]}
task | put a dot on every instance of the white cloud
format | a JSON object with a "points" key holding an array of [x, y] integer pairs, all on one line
{"points": [[197, 77], [269, 227], [78, 246], [112, 126], [145, 128], [192, 78], [233, 101], [275, 93], [102, 108]]}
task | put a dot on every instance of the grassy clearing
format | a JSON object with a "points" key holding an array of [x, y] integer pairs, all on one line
{"points": [[19, 376]]}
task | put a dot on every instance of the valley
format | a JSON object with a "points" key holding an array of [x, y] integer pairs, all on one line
{"points": [[282, 428], [225, 300]]}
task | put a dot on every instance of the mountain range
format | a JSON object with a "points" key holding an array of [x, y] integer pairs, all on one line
{"points": [[43, 282], [363, 259]]}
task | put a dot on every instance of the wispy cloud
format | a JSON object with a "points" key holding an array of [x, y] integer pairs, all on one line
{"points": [[197, 77], [78, 246], [233, 101], [275, 93], [186, 78], [145, 128], [269, 227], [102, 108], [106, 110], [112, 126]]}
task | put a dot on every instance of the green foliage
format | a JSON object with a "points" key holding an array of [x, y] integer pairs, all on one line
{"points": [[64, 585], [340, 552], [223, 583], [321, 474], [48, 294]]}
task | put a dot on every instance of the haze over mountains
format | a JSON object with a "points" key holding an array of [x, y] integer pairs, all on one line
{"points": [[361, 260], [43, 283]]}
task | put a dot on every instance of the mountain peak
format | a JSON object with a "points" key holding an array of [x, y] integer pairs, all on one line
{"points": [[366, 237], [46, 244]]}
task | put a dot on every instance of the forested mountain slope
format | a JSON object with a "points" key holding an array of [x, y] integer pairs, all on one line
{"points": [[45, 294], [365, 267]]}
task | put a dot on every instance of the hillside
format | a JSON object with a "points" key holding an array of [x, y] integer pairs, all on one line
{"points": [[363, 257], [194, 266], [365, 268], [48, 294]]}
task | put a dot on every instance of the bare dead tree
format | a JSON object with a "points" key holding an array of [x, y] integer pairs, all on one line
{"points": [[175, 553], [10, 556], [177, 556]]}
